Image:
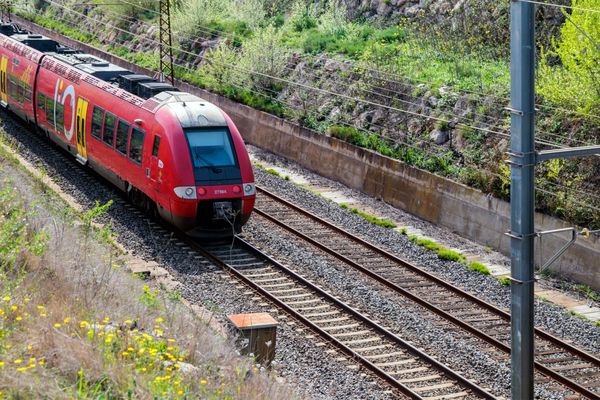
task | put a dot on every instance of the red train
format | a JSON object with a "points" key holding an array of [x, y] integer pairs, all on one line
{"points": [[170, 151]]}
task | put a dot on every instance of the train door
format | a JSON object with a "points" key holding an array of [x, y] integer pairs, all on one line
{"points": [[155, 170], [82, 107], [3, 89]]}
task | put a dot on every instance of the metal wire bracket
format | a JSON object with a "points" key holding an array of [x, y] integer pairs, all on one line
{"points": [[562, 249]]}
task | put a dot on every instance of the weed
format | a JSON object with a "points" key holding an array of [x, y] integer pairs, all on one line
{"points": [[449, 255], [272, 172], [478, 267], [150, 297], [403, 231], [504, 280], [372, 219]]}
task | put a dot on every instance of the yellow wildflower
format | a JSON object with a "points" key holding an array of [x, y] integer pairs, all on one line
{"points": [[14, 308], [22, 369], [203, 382], [128, 321], [159, 320], [124, 354], [40, 307], [83, 324], [106, 320], [66, 320], [177, 366], [1, 364], [18, 318], [26, 314], [18, 361], [57, 325], [43, 315], [180, 392], [171, 340], [29, 347], [41, 362], [108, 339], [27, 300], [32, 360], [6, 298]]}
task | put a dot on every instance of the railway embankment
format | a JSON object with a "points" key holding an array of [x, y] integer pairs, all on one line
{"points": [[76, 323]]}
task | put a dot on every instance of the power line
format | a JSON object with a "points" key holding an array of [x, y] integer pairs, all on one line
{"points": [[212, 31], [319, 90]]}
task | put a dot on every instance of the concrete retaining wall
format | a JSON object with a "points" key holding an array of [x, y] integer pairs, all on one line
{"points": [[464, 210]]}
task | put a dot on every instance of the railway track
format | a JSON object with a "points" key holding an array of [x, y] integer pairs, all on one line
{"points": [[394, 360], [555, 359]]}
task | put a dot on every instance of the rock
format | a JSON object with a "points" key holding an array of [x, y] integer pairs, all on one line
{"points": [[439, 137], [334, 114], [433, 101], [414, 126], [458, 141], [444, 90], [331, 65]]}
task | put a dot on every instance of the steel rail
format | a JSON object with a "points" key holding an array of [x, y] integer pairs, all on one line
{"points": [[462, 324], [338, 303]]}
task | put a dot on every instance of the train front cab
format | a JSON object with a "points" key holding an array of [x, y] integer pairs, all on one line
{"points": [[215, 193]]}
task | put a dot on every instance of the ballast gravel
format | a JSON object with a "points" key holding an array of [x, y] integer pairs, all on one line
{"points": [[549, 317], [310, 368]]}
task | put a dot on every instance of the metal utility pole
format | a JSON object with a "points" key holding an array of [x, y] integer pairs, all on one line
{"points": [[523, 159], [522, 68], [165, 42]]}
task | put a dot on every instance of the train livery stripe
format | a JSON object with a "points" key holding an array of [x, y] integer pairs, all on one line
{"points": [[82, 107], [3, 91]]}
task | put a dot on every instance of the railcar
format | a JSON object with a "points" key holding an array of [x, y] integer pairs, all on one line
{"points": [[171, 152]]}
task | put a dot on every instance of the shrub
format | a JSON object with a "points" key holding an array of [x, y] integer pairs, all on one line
{"points": [[264, 53], [348, 134], [574, 82]]}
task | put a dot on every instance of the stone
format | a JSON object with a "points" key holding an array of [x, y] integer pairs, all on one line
{"points": [[414, 126], [433, 101], [439, 137]]}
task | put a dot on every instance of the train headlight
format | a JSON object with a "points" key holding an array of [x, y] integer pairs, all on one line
{"points": [[249, 189], [186, 192]]}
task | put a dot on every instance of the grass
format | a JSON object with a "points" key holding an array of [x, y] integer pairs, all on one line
{"points": [[272, 172], [504, 280], [75, 324], [479, 267], [385, 223]]}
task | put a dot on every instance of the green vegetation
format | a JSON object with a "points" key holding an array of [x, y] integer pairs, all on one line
{"points": [[478, 267], [73, 324], [449, 255], [574, 81], [368, 217], [504, 280], [587, 291], [272, 172]]}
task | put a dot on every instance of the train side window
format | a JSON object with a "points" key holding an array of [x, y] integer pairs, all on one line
{"points": [[60, 117], [12, 87], [108, 135], [155, 146], [50, 111], [27, 92], [136, 145], [41, 102], [20, 92], [97, 117], [122, 135]]}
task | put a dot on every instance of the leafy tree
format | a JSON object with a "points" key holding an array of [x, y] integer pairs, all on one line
{"points": [[575, 80]]}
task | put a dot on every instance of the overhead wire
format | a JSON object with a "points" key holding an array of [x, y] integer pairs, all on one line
{"points": [[319, 90], [215, 30], [543, 3]]}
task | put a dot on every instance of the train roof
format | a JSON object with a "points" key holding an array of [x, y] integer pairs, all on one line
{"points": [[142, 86]]}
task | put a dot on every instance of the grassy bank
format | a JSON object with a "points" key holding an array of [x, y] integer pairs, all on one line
{"points": [[75, 324]]}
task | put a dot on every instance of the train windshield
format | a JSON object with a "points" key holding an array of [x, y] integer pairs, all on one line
{"points": [[213, 155]]}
